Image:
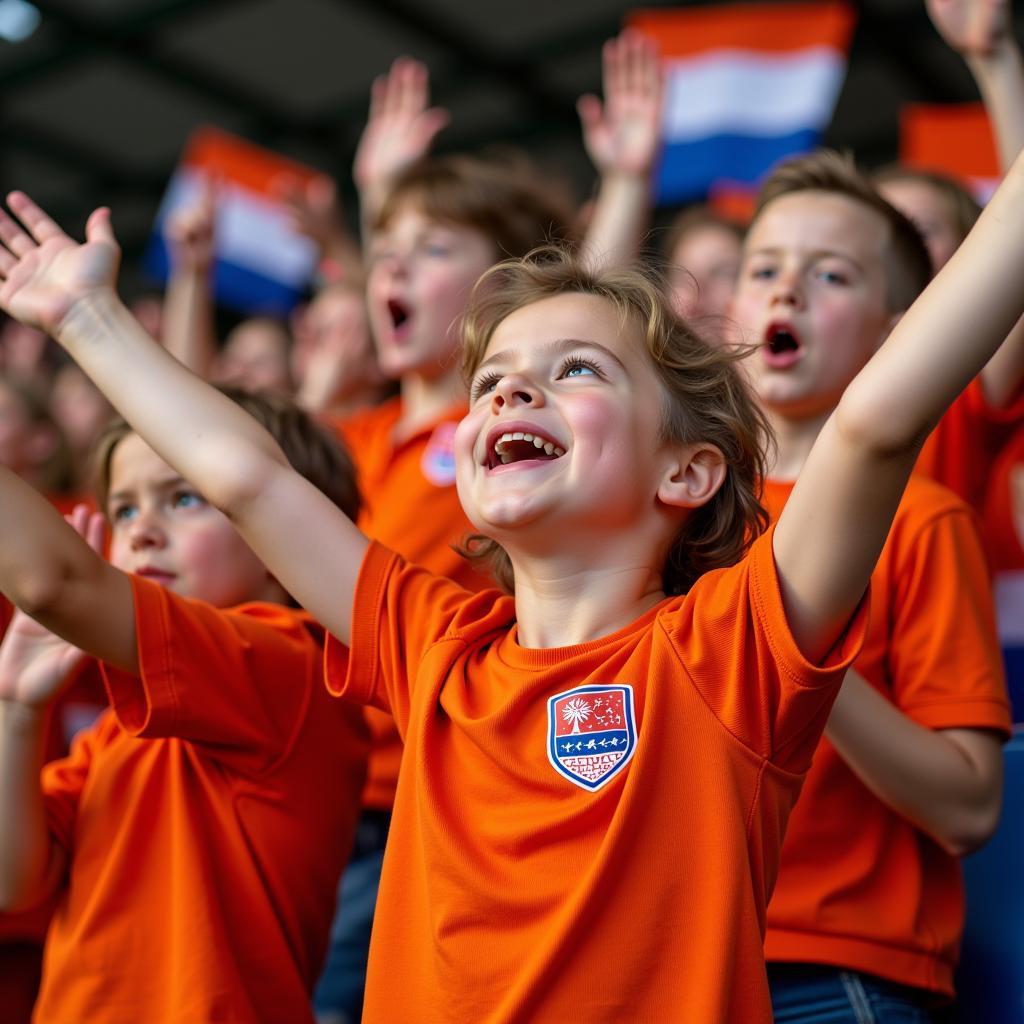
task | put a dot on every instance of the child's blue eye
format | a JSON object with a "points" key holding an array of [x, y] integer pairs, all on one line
{"points": [[762, 273], [187, 499], [832, 277], [579, 367], [122, 513], [483, 386]]}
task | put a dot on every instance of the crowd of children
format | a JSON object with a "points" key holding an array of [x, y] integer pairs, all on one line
{"points": [[520, 633]]}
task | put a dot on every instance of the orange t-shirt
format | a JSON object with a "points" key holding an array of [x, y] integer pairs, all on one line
{"points": [[860, 887], [587, 833], [960, 451], [410, 505], [207, 817]]}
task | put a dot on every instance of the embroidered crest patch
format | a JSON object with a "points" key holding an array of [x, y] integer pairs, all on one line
{"points": [[591, 733], [438, 462]]}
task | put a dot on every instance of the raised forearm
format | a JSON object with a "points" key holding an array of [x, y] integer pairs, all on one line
{"points": [[210, 440], [1000, 78], [948, 784], [30, 862], [620, 218], [188, 326]]}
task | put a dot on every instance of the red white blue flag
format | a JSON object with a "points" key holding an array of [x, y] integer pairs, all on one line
{"points": [[746, 85], [260, 266]]}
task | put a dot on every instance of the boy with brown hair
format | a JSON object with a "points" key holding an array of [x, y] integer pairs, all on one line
{"points": [[867, 910], [196, 832]]}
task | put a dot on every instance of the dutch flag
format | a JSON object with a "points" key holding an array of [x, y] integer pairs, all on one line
{"points": [[746, 86], [261, 266], [954, 139]]}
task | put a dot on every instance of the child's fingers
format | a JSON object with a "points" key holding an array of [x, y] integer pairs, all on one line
{"points": [[39, 224], [98, 228], [96, 532], [14, 237], [78, 518], [7, 263]]}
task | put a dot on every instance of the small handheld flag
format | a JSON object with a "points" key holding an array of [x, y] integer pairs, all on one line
{"points": [[260, 265]]}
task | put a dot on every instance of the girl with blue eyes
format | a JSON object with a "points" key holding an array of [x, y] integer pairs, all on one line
{"points": [[172, 833]]}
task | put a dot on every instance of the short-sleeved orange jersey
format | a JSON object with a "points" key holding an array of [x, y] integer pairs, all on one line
{"points": [[960, 451], [1003, 521], [410, 505], [859, 886], [206, 817], [587, 833]]}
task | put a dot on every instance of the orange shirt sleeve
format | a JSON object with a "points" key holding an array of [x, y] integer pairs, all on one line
{"points": [[735, 631], [237, 681], [945, 663], [63, 780], [400, 610]]}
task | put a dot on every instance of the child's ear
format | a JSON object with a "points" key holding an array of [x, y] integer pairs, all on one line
{"points": [[694, 476]]}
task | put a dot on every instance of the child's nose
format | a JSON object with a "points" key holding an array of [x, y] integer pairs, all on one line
{"points": [[515, 389], [787, 288], [145, 531]]}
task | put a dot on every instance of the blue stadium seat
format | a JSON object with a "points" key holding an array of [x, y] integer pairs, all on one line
{"points": [[991, 976]]}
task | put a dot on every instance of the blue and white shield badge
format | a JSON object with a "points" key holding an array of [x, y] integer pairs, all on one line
{"points": [[591, 733], [438, 462]]}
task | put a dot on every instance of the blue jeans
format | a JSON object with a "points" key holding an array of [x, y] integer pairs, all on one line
{"points": [[338, 996], [815, 994]]}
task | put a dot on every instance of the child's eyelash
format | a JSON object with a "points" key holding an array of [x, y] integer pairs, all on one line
{"points": [[574, 362], [481, 384]]}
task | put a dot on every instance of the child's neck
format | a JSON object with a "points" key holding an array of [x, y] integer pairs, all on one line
{"points": [[424, 399], [794, 438], [560, 605]]}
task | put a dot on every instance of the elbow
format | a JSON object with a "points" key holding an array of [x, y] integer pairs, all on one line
{"points": [[877, 429], [973, 829], [39, 591]]}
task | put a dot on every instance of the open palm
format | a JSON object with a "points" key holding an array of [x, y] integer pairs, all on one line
{"points": [[33, 661], [624, 133], [43, 272]]}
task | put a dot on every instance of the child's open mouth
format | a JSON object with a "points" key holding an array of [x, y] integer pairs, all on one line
{"points": [[515, 446], [782, 347], [400, 314]]}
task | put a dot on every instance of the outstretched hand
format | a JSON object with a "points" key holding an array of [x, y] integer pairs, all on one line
{"points": [[974, 28], [33, 661], [400, 127], [623, 134], [43, 272], [190, 232]]}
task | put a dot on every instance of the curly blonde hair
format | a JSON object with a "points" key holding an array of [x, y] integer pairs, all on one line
{"points": [[705, 399]]}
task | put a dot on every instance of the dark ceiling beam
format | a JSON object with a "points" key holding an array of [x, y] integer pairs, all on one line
{"points": [[138, 45]]}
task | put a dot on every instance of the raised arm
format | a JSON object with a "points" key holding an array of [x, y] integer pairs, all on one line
{"points": [[67, 289], [34, 663], [189, 332], [833, 528], [622, 137], [981, 31], [399, 130]]}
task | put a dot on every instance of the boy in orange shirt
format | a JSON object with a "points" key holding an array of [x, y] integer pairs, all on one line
{"points": [[598, 774], [195, 834], [868, 907], [434, 226]]}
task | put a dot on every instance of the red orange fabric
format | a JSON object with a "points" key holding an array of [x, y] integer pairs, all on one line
{"points": [[1003, 521], [409, 505], [511, 892], [859, 886], [960, 451], [206, 817]]}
